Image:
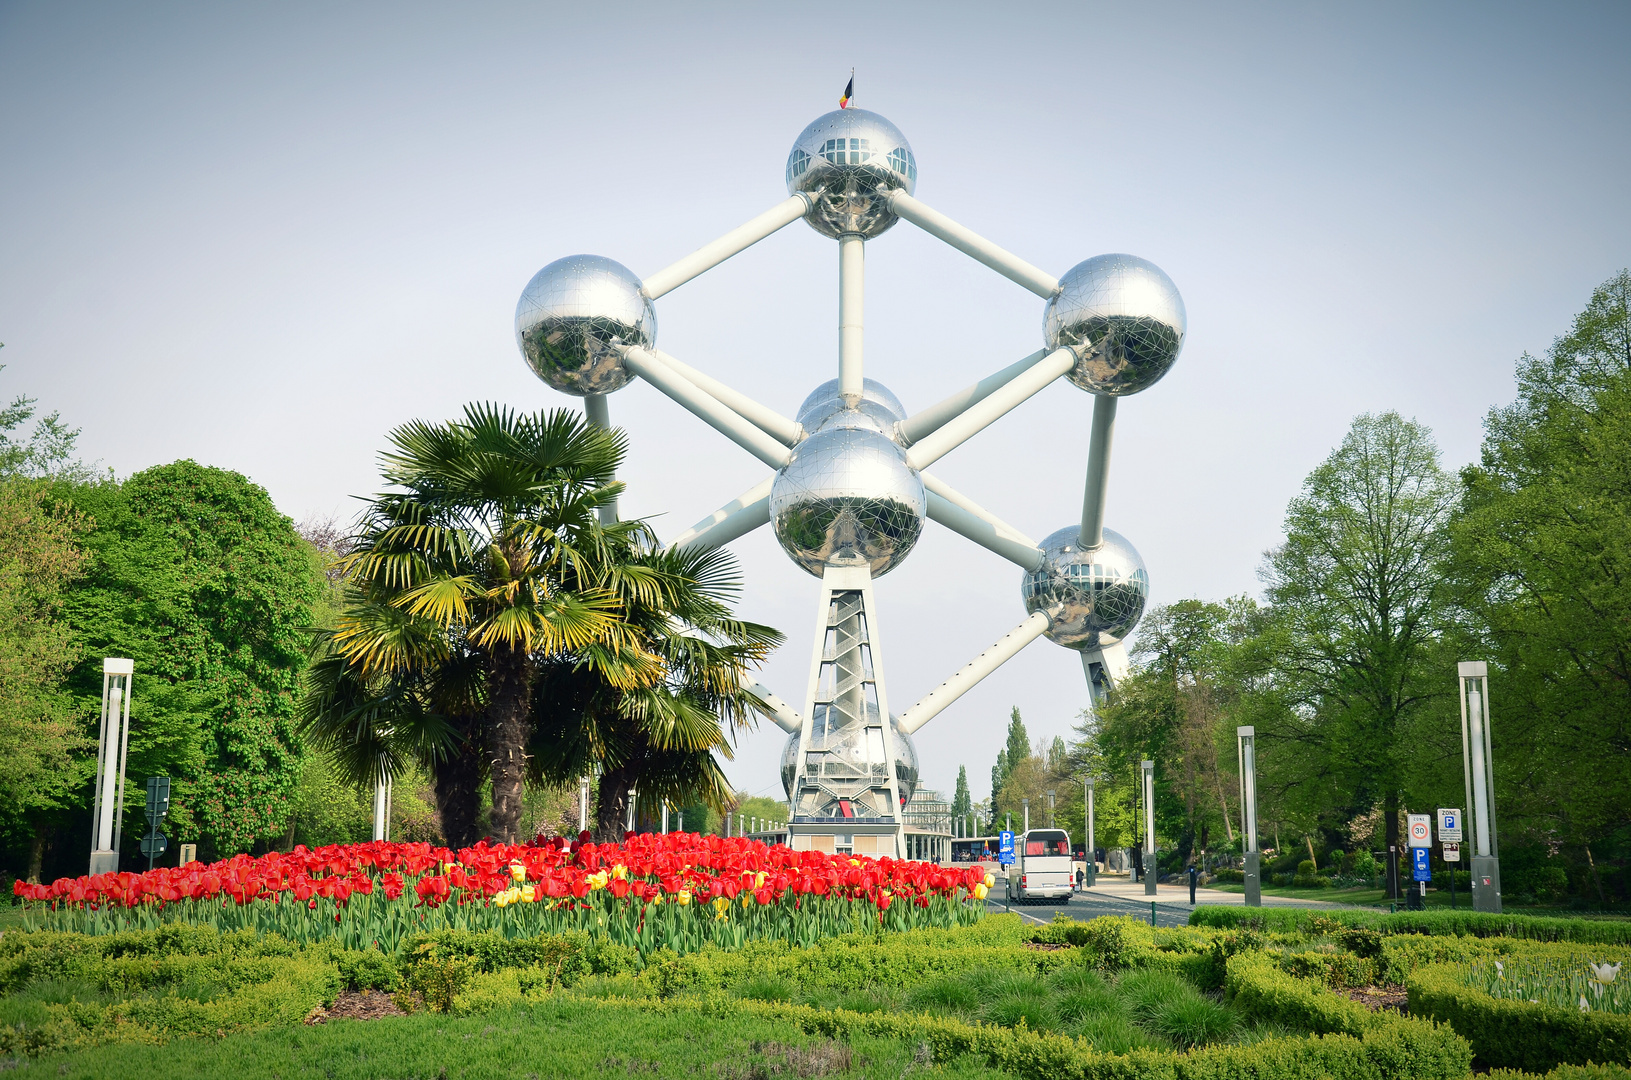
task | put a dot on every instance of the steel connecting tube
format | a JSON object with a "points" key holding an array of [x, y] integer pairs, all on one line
{"points": [[738, 517], [969, 677], [596, 412], [988, 411], [851, 299], [1098, 471], [918, 425], [776, 710], [705, 406], [767, 420], [737, 240], [974, 245], [988, 533]]}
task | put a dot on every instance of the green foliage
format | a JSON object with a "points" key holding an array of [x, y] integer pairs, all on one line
{"points": [[1518, 1034], [198, 578]]}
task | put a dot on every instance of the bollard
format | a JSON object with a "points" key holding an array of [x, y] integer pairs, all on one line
{"points": [[1152, 912], [1194, 876]]}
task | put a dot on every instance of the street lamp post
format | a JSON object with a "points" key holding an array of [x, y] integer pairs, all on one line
{"points": [[1092, 840], [1150, 873], [1477, 761], [1026, 805], [1246, 749], [107, 828], [1050, 808]]}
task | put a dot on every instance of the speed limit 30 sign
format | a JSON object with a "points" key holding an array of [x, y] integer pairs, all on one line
{"points": [[1420, 829]]}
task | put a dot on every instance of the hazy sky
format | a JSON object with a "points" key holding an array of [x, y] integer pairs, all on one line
{"points": [[260, 237]]}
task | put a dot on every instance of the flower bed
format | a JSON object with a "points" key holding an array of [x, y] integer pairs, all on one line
{"points": [[676, 890]]}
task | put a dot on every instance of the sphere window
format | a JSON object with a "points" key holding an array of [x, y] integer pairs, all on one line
{"points": [[797, 164], [902, 161], [860, 151]]}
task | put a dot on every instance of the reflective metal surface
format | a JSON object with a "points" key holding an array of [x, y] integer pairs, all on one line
{"points": [[825, 407], [570, 313], [1093, 597], [847, 497], [846, 765], [844, 160], [1123, 318]]}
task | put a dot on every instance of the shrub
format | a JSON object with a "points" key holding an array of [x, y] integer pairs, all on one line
{"points": [[1306, 867], [1449, 923], [1514, 1034], [1310, 881], [1227, 876]]}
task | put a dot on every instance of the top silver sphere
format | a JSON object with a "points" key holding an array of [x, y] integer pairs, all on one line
{"points": [[847, 497], [570, 313], [1093, 597], [1124, 320], [824, 407], [846, 161]]}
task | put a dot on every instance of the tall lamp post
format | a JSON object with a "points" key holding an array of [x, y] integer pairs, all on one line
{"points": [[106, 827], [1477, 762], [1092, 846], [1150, 873], [1050, 808], [382, 807], [1246, 748]]}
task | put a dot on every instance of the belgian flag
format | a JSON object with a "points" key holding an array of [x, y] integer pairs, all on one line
{"points": [[849, 92]]}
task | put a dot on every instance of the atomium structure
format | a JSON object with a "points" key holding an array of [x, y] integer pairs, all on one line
{"points": [[850, 488]]}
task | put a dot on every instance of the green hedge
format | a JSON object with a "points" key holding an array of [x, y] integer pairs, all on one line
{"points": [[1401, 1049], [66, 991], [1438, 923], [1565, 1072], [1258, 986], [1513, 1034]]}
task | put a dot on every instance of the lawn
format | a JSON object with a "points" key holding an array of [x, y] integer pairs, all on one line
{"points": [[1436, 898], [558, 1037]]}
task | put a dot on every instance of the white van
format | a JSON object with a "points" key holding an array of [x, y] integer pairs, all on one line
{"points": [[1041, 866]]}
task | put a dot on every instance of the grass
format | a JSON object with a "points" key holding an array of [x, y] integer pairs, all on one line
{"points": [[557, 1038]]}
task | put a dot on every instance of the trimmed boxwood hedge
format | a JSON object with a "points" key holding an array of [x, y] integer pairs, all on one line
{"points": [[1402, 1049], [1512, 1034], [1441, 923]]}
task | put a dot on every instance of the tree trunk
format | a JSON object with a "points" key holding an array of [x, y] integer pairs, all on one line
{"points": [[508, 729], [612, 806], [36, 853], [1390, 815], [457, 783]]}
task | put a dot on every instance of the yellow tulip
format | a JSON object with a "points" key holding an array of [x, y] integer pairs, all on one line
{"points": [[518, 872], [979, 891], [620, 872], [683, 896], [500, 899], [528, 893], [759, 879], [990, 880]]}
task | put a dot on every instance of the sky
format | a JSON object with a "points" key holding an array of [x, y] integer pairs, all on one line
{"points": [[261, 236]]}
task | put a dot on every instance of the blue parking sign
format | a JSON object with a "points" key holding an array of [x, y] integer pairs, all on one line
{"points": [[1423, 872], [1005, 847]]}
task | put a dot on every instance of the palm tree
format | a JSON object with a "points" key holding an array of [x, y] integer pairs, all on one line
{"points": [[485, 566], [660, 738]]}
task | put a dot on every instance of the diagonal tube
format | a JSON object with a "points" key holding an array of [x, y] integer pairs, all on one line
{"points": [[992, 408], [1006, 648], [738, 239], [974, 245], [769, 421], [918, 425], [1023, 554], [1098, 471], [738, 517], [778, 711], [706, 407]]}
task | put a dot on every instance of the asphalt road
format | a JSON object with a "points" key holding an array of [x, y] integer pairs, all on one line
{"points": [[1086, 906]]}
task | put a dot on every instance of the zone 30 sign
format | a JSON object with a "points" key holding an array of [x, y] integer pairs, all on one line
{"points": [[1421, 830]]}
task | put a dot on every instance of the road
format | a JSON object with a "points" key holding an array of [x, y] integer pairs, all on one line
{"points": [[1118, 896]]}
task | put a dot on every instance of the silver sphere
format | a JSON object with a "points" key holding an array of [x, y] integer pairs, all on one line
{"points": [[1093, 597], [847, 497], [846, 161], [825, 407], [1124, 320], [851, 763], [569, 315]]}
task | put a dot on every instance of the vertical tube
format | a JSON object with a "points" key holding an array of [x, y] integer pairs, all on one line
{"points": [[1477, 737], [101, 767], [595, 410], [379, 808], [632, 802], [665, 818], [1092, 835], [1098, 471], [1151, 873], [583, 804], [1026, 803], [851, 294]]}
